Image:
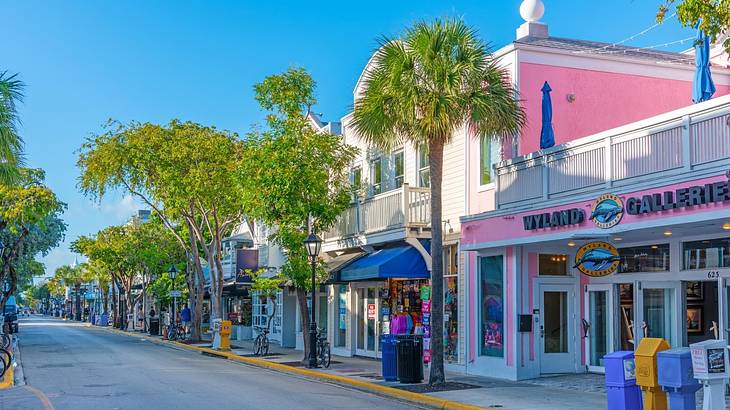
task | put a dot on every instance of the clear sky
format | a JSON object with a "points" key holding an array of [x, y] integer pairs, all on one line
{"points": [[87, 61]]}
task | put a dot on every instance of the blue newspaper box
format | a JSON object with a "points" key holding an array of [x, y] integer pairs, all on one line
{"points": [[388, 359], [621, 389], [675, 375]]}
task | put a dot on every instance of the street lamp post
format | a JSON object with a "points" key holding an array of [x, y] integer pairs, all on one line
{"points": [[313, 244], [173, 275]]}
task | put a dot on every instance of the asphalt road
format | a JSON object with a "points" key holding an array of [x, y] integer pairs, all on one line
{"points": [[70, 366]]}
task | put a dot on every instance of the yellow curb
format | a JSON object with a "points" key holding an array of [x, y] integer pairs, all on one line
{"points": [[431, 401], [6, 381]]}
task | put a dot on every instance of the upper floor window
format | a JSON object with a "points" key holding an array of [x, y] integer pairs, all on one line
{"points": [[424, 175], [488, 156], [399, 165], [376, 176], [451, 260], [713, 253], [356, 177], [553, 264]]}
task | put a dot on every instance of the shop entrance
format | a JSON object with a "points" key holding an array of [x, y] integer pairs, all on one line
{"points": [[657, 304], [557, 354], [597, 326], [368, 306]]}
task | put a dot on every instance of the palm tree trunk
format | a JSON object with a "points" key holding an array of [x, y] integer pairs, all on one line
{"points": [[436, 160]]}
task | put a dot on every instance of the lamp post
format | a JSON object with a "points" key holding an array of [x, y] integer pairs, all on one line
{"points": [[173, 275], [313, 244]]}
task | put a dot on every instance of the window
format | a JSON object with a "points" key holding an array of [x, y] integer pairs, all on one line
{"points": [[356, 177], [713, 253], [341, 329], [492, 306], [376, 175], [399, 168], [654, 258], [488, 156], [424, 176], [553, 265], [451, 303]]}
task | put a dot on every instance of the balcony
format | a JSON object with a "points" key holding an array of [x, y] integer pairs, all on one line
{"points": [[403, 208], [675, 146]]}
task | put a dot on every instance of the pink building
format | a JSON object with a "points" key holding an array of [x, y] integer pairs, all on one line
{"points": [[619, 231]]}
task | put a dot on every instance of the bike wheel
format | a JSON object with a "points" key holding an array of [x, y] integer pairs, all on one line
{"points": [[6, 341], [257, 345], [6, 359], [265, 347], [326, 355]]}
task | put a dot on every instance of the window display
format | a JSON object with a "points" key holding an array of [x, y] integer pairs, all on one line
{"points": [[654, 258], [492, 306], [713, 253]]}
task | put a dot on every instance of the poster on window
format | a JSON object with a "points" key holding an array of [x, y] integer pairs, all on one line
{"points": [[343, 309], [492, 306]]}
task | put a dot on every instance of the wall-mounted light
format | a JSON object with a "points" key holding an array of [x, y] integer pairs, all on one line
{"points": [[571, 243], [667, 233], [570, 97], [726, 226], [618, 238]]}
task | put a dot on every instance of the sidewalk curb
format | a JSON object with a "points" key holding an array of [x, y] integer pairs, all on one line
{"points": [[8, 379], [415, 398]]}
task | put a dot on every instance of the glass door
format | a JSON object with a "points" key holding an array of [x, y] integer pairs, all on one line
{"points": [[597, 327], [367, 322], [657, 305], [557, 353]]}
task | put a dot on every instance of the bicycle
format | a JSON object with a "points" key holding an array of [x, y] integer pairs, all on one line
{"points": [[6, 360], [6, 340], [324, 356], [261, 343], [172, 332]]}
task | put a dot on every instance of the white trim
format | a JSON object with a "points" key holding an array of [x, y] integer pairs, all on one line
{"points": [[419, 247]]}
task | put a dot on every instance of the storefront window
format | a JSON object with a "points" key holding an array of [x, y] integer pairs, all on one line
{"points": [[553, 265], [713, 253], [492, 307], [451, 303], [654, 258], [341, 329]]}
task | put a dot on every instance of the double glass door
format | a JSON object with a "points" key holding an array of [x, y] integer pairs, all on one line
{"points": [[368, 325], [657, 304], [598, 324]]}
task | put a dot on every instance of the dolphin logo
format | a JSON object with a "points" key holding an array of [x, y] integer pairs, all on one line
{"points": [[601, 258], [607, 211]]}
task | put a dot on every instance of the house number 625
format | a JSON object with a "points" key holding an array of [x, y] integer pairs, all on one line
{"points": [[713, 274]]}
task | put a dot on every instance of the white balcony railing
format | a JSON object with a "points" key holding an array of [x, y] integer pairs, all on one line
{"points": [[680, 142], [403, 207]]}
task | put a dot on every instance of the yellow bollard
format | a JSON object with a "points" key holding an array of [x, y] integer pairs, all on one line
{"points": [[225, 335], [646, 372]]}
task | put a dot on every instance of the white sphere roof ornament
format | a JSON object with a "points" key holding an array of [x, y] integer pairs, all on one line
{"points": [[532, 10]]}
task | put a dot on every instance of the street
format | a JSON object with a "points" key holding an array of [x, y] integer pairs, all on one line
{"points": [[77, 367]]}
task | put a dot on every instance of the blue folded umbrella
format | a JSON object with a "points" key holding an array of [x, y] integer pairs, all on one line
{"points": [[547, 136], [702, 88]]}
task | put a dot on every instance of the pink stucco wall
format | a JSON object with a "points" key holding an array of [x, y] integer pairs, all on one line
{"points": [[603, 100]]}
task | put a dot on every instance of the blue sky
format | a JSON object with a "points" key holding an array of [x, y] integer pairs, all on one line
{"points": [[87, 61]]}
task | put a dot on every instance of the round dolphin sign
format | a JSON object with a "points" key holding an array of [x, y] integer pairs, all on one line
{"points": [[597, 259], [607, 211]]}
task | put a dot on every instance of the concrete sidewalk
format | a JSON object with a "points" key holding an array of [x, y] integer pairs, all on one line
{"points": [[565, 392]]}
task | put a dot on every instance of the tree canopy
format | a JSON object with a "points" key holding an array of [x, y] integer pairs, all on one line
{"points": [[713, 17]]}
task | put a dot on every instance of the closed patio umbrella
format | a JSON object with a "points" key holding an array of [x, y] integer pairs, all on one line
{"points": [[547, 136], [702, 88]]}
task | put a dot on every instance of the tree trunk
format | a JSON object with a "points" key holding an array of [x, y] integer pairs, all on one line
{"points": [[273, 312], [304, 316], [435, 160], [198, 286], [77, 315], [115, 306]]}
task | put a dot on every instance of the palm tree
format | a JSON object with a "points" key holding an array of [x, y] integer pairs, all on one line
{"points": [[74, 276], [421, 88], [11, 144]]}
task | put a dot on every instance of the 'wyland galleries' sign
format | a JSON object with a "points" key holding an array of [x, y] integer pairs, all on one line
{"points": [[565, 217], [680, 198]]}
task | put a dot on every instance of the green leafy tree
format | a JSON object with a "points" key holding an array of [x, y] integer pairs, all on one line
{"points": [[712, 15], [186, 173], [421, 88], [74, 276], [30, 225], [293, 174], [11, 144]]}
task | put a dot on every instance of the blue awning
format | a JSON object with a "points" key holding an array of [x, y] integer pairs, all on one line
{"points": [[397, 262]]}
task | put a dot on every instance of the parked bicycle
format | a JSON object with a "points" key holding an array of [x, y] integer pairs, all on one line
{"points": [[176, 332], [261, 343], [324, 356]]}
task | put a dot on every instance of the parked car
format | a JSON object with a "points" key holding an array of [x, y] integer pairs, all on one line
{"points": [[11, 315]]}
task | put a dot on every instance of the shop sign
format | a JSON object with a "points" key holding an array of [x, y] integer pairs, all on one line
{"points": [[607, 211], [566, 217], [680, 198], [371, 311], [597, 259]]}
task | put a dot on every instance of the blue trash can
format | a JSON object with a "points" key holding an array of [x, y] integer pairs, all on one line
{"points": [[387, 349], [675, 375], [105, 319], [621, 388]]}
